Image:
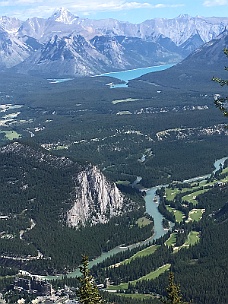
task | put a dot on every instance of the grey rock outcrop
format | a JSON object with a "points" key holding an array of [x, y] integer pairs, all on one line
{"points": [[96, 199]]}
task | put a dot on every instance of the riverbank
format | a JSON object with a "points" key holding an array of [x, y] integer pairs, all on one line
{"points": [[151, 209]]}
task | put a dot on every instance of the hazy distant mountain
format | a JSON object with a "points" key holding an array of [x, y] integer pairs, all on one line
{"points": [[10, 25], [180, 29], [209, 56], [200, 66], [67, 56], [74, 55], [64, 16], [12, 50], [113, 45]]}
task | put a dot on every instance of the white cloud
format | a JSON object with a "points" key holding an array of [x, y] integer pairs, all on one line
{"points": [[81, 5], [215, 3], [4, 3], [108, 6], [26, 2], [103, 5], [44, 8]]}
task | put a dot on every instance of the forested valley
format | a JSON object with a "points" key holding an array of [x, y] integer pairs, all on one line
{"points": [[139, 136]]}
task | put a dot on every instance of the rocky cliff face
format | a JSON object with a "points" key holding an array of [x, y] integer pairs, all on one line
{"points": [[96, 200], [89, 199]]}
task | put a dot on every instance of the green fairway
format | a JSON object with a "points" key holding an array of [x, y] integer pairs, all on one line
{"points": [[191, 198], [136, 296], [171, 240], [123, 100], [144, 252], [193, 238], [147, 251], [195, 214], [61, 147], [150, 276], [178, 214], [154, 274], [124, 182], [171, 193], [195, 186], [225, 170]]}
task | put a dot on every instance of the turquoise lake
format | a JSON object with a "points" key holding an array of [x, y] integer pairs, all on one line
{"points": [[131, 74]]}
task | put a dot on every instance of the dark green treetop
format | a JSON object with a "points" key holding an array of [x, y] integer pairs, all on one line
{"points": [[88, 292], [222, 102], [173, 292]]}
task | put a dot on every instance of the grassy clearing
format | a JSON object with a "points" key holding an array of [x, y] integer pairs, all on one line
{"points": [[143, 221], [195, 214], [62, 147], [142, 253], [147, 251], [193, 238], [10, 135], [225, 170], [177, 213], [150, 276], [124, 113], [124, 182], [171, 240], [123, 100], [171, 193], [121, 286], [191, 198], [154, 274], [136, 296]]}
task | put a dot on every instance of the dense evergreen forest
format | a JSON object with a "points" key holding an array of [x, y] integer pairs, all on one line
{"points": [[159, 134], [200, 269], [39, 194]]}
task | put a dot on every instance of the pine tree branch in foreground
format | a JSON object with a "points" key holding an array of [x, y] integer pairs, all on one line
{"points": [[173, 292], [88, 292], [221, 102]]}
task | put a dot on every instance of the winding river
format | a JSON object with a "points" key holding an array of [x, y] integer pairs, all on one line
{"points": [[151, 209]]}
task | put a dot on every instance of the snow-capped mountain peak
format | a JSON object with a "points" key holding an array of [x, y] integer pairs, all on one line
{"points": [[65, 44], [10, 25], [184, 16], [64, 16]]}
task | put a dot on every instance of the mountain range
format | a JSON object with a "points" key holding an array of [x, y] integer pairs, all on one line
{"points": [[195, 71], [66, 45]]}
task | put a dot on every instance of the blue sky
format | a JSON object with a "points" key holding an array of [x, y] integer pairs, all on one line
{"points": [[134, 11]]}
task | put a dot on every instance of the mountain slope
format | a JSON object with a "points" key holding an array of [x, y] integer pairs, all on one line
{"points": [[183, 27], [69, 56], [10, 25], [12, 50], [90, 184], [76, 56], [197, 69], [107, 45], [51, 200]]}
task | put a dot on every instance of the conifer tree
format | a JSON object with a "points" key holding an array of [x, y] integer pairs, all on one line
{"points": [[221, 102], [88, 292], [173, 291]]}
